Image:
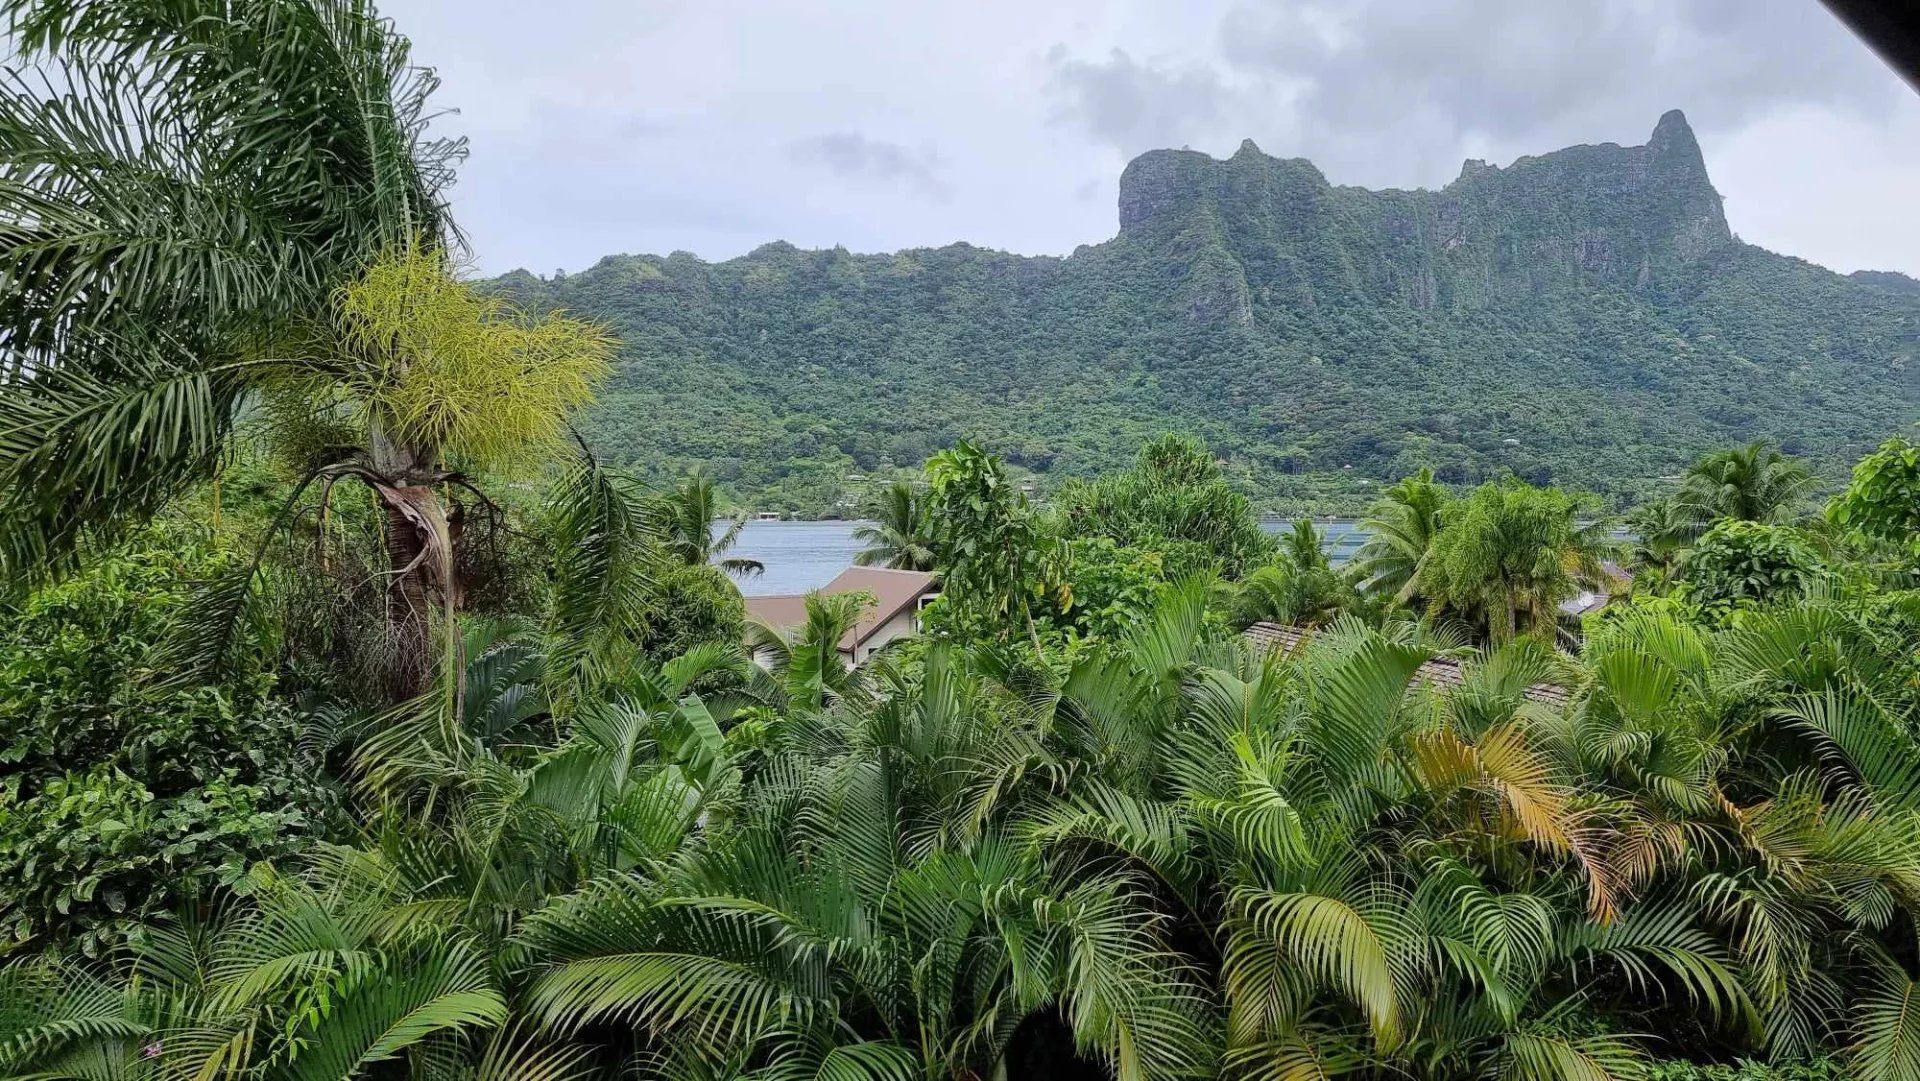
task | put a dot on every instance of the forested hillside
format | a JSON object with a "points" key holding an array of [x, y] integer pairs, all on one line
{"points": [[1584, 317]]}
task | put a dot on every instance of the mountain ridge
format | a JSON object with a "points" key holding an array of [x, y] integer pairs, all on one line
{"points": [[1584, 316]]}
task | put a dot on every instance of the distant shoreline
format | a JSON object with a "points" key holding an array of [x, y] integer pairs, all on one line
{"points": [[803, 554], [1338, 519]]}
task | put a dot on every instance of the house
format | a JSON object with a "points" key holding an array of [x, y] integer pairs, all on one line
{"points": [[1438, 672], [1618, 583], [898, 597]]}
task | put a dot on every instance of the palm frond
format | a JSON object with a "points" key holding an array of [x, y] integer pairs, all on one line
{"points": [[1886, 1026], [405, 999], [606, 555]]}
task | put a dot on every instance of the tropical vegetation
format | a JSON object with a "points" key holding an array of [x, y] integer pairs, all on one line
{"points": [[1020, 845], [217, 210], [896, 531], [488, 775]]}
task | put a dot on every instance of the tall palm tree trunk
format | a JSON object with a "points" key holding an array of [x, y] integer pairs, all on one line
{"points": [[420, 563]]}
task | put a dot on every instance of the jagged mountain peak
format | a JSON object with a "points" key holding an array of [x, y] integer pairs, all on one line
{"points": [[1276, 227], [1673, 131]]}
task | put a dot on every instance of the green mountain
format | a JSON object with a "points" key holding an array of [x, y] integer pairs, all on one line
{"points": [[1584, 317]]}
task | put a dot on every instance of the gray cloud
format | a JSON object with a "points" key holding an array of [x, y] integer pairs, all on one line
{"points": [[855, 156], [1508, 71], [1133, 105]]}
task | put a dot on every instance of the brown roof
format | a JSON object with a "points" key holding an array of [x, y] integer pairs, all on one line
{"points": [[892, 591], [1442, 672]]}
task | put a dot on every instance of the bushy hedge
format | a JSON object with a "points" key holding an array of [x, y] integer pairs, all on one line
{"points": [[124, 789]]}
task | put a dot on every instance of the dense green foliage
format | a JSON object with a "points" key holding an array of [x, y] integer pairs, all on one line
{"points": [[1580, 318], [1402, 525], [1748, 1070], [992, 542], [688, 606], [1741, 564], [1299, 587], [1077, 829], [1158, 852], [1174, 499], [124, 796], [1884, 498]]}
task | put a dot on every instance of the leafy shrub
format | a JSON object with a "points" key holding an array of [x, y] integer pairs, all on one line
{"points": [[90, 856], [1174, 496], [1109, 587], [1740, 564], [1883, 499], [692, 606], [121, 792], [1823, 1069]]}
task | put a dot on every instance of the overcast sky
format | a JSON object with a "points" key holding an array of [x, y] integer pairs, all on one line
{"points": [[714, 126]]}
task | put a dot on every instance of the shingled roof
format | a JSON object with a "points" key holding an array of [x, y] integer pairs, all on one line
{"points": [[1441, 672]]}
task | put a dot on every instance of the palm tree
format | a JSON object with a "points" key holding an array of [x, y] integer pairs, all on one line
{"points": [[208, 207], [805, 661], [1662, 529], [899, 536], [691, 522], [1401, 526], [1300, 589], [1288, 595], [1509, 550], [1754, 483], [1303, 546]]}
